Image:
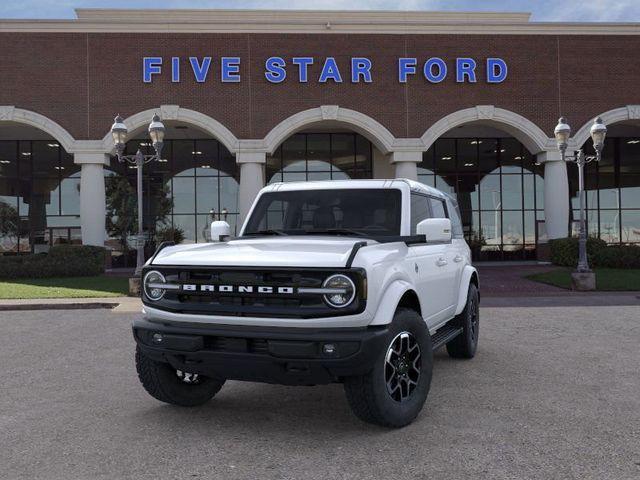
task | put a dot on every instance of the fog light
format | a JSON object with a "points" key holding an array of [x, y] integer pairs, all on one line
{"points": [[157, 338], [329, 348]]}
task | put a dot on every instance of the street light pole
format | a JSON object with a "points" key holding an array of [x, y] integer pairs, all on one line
{"points": [[562, 133], [119, 133]]}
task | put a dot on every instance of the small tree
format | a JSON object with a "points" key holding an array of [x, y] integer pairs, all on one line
{"points": [[122, 208], [9, 221]]}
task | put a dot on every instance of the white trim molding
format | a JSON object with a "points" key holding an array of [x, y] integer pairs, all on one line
{"points": [[10, 113], [629, 112], [523, 129], [310, 21], [179, 114], [363, 124]]}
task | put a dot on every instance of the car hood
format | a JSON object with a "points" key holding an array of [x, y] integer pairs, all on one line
{"points": [[287, 251]]}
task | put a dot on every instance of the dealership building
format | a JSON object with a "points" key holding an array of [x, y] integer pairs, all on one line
{"points": [[465, 102]]}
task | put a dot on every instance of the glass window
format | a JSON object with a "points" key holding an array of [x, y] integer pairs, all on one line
{"points": [[438, 209], [630, 221], [320, 156], [372, 212], [445, 158], [488, 154], [419, 210], [512, 192]]}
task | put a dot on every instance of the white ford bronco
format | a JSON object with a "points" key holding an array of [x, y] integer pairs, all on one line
{"points": [[354, 281]]}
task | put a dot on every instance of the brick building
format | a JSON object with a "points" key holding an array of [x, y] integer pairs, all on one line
{"points": [[466, 102]]}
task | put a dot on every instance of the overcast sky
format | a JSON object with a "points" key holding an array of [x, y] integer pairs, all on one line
{"points": [[543, 10]]}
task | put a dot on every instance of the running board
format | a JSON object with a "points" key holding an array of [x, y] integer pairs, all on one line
{"points": [[444, 336]]}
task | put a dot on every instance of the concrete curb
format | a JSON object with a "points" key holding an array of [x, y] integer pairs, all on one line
{"points": [[8, 307], [115, 304]]}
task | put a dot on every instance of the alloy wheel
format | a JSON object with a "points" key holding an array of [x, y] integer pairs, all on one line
{"points": [[402, 366]]}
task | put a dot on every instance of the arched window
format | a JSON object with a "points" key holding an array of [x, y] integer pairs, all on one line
{"points": [[320, 156], [39, 196], [499, 189]]}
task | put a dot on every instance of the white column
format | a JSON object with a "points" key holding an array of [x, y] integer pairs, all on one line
{"points": [[406, 164], [556, 194], [251, 179], [92, 197]]}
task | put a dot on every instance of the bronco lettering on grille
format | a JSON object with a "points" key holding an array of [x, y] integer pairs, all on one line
{"points": [[266, 289]]}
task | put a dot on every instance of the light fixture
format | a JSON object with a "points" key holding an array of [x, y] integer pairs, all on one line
{"points": [[502, 150], [196, 152], [632, 142], [205, 166], [447, 158], [25, 154], [5, 161], [468, 164], [59, 168], [598, 133], [162, 160], [156, 132], [476, 142], [562, 133], [119, 133], [53, 145], [517, 158]]}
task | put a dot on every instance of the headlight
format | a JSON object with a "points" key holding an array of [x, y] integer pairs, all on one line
{"points": [[345, 291], [153, 282]]}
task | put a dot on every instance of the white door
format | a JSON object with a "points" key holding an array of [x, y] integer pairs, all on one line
{"points": [[434, 267]]}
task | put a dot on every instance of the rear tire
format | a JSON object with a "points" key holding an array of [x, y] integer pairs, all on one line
{"points": [[168, 385], [395, 390], [466, 344]]}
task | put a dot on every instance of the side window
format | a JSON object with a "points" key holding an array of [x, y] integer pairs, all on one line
{"points": [[419, 210], [437, 206], [456, 222]]}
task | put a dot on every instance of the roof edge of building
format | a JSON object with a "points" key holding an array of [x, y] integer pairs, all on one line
{"points": [[311, 22]]}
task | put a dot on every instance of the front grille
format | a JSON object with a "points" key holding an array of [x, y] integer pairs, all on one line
{"points": [[253, 303]]}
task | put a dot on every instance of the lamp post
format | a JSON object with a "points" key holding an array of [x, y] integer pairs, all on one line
{"points": [[562, 133], [156, 133]]}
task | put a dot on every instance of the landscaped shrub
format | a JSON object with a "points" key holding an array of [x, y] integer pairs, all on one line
{"points": [[618, 256], [564, 251], [61, 261]]}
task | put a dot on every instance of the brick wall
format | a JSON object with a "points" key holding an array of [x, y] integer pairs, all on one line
{"points": [[82, 80]]}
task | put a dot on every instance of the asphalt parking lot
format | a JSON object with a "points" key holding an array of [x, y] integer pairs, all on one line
{"points": [[554, 392]]}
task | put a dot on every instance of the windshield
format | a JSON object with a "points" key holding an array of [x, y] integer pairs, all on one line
{"points": [[357, 212]]}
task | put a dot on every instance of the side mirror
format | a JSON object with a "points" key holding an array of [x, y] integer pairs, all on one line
{"points": [[435, 229], [220, 231]]}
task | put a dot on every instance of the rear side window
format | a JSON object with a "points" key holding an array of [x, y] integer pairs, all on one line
{"points": [[456, 222], [438, 208], [419, 210]]}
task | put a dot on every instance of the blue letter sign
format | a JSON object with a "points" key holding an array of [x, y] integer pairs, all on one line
{"points": [[200, 71], [496, 70], [275, 69], [434, 69], [151, 66], [330, 71]]}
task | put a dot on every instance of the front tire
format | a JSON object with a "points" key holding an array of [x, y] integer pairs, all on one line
{"points": [[169, 385], [395, 390], [466, 344]]}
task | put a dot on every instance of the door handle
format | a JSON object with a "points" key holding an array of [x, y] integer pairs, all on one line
{"points": [[458, 258], [441, 262]]}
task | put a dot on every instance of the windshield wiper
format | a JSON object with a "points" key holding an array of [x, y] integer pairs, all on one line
{"points": [[337, 231], [266, 232]]}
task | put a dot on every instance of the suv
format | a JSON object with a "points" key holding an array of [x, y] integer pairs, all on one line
{"points": [[354, 281]]}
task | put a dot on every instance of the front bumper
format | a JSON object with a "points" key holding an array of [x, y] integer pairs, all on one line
{"points": [[288, 356]]}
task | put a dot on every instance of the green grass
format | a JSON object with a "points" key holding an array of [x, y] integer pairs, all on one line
{"points": [[73, 287], [607, 279]]}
